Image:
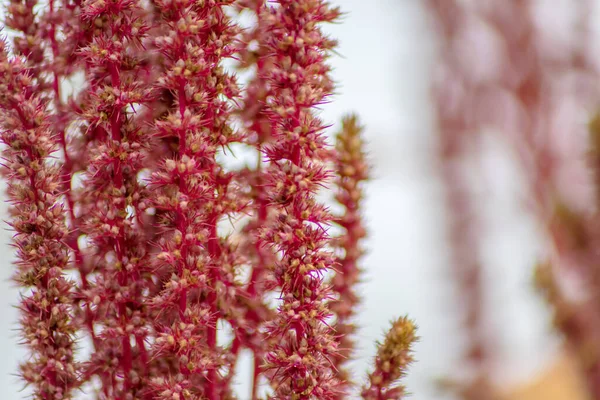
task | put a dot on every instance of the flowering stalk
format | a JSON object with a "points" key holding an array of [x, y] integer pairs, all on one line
{"points": [[116, 150], [299, 78], [38, 220], [351, 172], [195, 193], [394, 356], [48, 39], [64, 37], [254, 53]]}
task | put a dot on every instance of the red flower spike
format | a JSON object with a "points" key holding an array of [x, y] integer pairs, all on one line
{"points": [[47, 324], [193, 190], [299, 81], [116, 152], [351, 172]]}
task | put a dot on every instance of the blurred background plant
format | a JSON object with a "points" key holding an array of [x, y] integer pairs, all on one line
{"points": [[507, 78]]}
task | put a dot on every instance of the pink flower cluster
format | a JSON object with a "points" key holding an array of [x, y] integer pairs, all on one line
{"points": [[124, 183]]}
